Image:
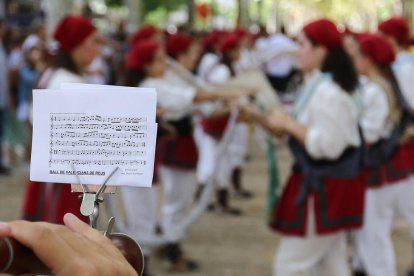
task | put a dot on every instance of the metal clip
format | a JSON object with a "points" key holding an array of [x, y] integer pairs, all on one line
{"points": [[90, 201], [111, 223]]}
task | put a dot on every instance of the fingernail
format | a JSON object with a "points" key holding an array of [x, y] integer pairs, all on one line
{"points": [[5, 228], [70, 216]]}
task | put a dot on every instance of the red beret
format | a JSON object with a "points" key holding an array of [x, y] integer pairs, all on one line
{"points": [[377, 48], [177, 44], [323, 32], [211, 39], [72, 30], [240, 31], [145, 32], [348, 31], [396, 27], [229, 42], [141, 54]]}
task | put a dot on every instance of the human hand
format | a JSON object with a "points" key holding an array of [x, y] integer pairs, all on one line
{"points": [[74, 249], [231, 94], [160, 111], [279, 121]]}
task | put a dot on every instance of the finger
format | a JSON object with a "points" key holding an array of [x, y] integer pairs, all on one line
{"points": [[5, 229], [78, 226], [79, 243], [44, 241]]}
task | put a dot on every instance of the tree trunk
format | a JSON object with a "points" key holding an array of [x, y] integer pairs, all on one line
{"points": [[191, 9], [243, 13], [135, 16], [55, 11], [407, 9], [260, 12]]}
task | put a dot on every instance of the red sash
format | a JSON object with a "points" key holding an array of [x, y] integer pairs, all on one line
{"points": [[391, 172], [216, 126], [178, 151], [42, 204], [338, 205]]}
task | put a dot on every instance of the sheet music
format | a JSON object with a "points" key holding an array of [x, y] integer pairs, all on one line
{"points": [[94, 129]]}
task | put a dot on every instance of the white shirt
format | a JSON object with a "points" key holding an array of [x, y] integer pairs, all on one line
{"points": [[95, 77], [248, 60], [54, 79], [208, 61], [331, 117], [177, 100], [63, 76], [404, 72], [374, 122], [219, 74]]}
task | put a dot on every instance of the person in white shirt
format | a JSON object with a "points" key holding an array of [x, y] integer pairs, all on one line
{"points": [[324, 195], [381, 116], [177, 154], [210, 57], [397, 31], [78, 46], [223, 167]]}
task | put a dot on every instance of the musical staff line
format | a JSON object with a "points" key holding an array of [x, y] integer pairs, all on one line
{"points": [[85, 143], [98, 152], [97, 118], [97, 162]]}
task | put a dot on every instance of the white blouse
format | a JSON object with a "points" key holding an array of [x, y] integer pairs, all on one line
{"points": [[404, 72], [208, 61], [219, 74], [63, 76], [374, 122], [331, 117], [177, 101]]}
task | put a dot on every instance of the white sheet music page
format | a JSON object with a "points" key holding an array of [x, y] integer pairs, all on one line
{"points": [[94, 130]]}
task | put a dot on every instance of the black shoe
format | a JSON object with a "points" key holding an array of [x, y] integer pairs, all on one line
{"points": [[223, 203], [410, 273], [183, 266], [158, 229], [232, 211], [243, 194], [359, 273], [5, 171]]}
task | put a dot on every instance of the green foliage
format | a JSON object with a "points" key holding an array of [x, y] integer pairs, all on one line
{"points": [[114, 3], [171, 5], [341, 10]]}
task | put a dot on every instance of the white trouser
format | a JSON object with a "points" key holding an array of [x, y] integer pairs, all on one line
{"points": [[140, 205], [405, 202], [238, 145], [206, 155], [316, 255], [373, 242], [178, 195], [213, 164]]}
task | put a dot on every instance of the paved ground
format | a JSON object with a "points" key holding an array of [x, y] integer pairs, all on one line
{"points": [[224, 246]]}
